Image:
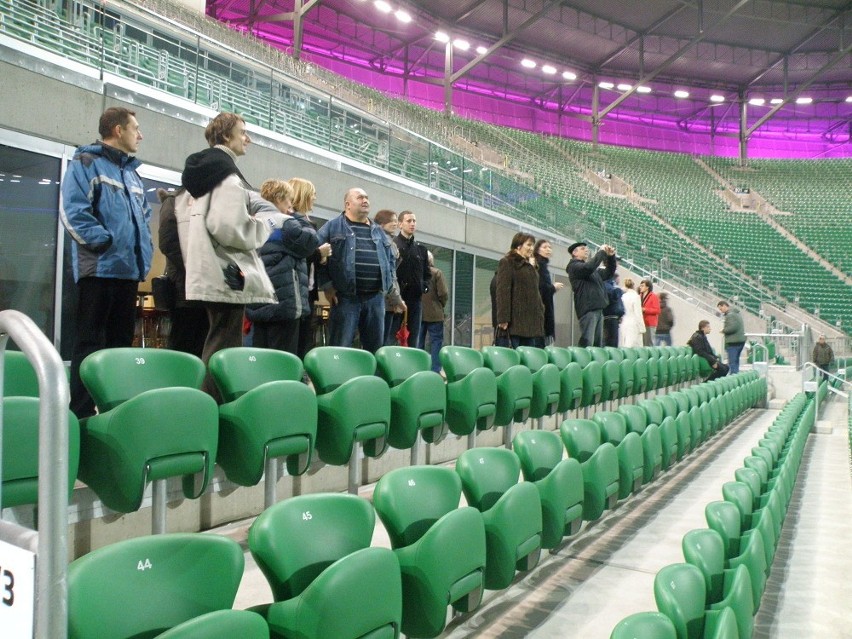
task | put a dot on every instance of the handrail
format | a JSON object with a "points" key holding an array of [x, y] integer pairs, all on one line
{"points": [[51, 615]]}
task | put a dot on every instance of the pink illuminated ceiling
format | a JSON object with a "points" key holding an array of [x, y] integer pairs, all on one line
{"points": [[741, 51]]}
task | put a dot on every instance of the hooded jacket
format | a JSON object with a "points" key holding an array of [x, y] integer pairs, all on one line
{"points": [[217, 230], [105, 212]]}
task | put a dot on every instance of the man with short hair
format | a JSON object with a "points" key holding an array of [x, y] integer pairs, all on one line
{"points": [[357, 275], [412, 272], [822, 356], [105, 212], [587, 282], [734, 331], [701, 346]]}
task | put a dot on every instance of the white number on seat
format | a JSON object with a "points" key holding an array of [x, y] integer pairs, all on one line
{"points": [[144, 565], [252, 358], [411, 482], [140, 360], [307, 516]]}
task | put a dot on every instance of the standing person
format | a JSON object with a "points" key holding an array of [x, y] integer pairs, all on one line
{"points": [[285, 257], [632, 324], [546, 287], [188, 320], [358, 273], [394, 306], [304, 196], [412, 273], [650, 310], [434, 301], [520, 310], [663, 334], [219, 236], [613, 311], [734, 331], [701, 346], [587, 282], [105, 213], [822, 356]]}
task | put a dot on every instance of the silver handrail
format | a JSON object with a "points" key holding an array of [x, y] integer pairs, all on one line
{"points": [[51, 542]]}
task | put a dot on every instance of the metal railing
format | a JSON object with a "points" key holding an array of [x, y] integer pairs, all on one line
{"points": [[50, 543]]}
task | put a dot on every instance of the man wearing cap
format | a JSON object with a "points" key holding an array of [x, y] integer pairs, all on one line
{"points": [[587, 282]]}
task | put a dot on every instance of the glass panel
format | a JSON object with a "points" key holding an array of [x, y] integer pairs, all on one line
{"points": [[483, 329], [463, 295], [29, 195]]}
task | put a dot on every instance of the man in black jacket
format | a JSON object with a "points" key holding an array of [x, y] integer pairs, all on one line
{"points": [[701, 346], [412, 272], [587, 282]]}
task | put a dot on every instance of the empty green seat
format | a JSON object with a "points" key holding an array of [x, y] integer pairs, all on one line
{"points": [[599, 462], [592, 384], [257, 423], [514, 384], [20, 439], [570, 386], [19, 378], [222, 624], [581, 355], [545, 379], [154, 423], [610, 381], [440, 547], [644, 625], [626, 372], [684, 435], [418, 395], [642, 378], [471, 390], [511, 512], [669, 442], [724, 518], [628, 446], [145, 586], [559, 481], [326, 580]]}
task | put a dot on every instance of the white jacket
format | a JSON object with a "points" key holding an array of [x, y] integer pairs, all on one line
{"points": [[632, 324], [216, 230]]}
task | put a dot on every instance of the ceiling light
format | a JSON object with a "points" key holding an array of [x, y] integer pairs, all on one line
{"points": [[464, 45], [757, 101], [643, 89], [680, 93], [804, 100], [776, 100], [568, 75], [527, 63], [481, 50], [849, 98], [624, 87], [382, 6], [440, 36], [606, 85], [717, 98], [403, 16], [548, 69]]}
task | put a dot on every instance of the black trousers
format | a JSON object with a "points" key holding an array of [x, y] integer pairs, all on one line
{"points": [[188, 330], [282, 336], [225, 331], [105, 318]]}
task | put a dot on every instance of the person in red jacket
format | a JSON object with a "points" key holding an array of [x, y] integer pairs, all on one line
{"points": [[650, 310]]}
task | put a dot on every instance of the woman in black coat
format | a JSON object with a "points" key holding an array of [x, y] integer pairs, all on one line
{"points": [[519, 307], [547, 288]]}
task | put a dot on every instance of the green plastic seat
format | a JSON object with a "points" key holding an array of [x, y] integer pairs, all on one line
{"points": [[418, 396], [652, 453], [696, 426], [653, 409], [559, 482], [626, 371], [669, 442], [615, 353], [704, 549], [440, 547], [20, 439], [511, 512], [669, 405], [154, 423], [750, 478], [471, 390], [222, 624], [628, 446], [353, 403], [570, 387], [581, 355], [514, 384], [592, 384], [257, 423], [759, 465], [724, 518], [326, 580], [684, 435], [146, 586], [19, 378], [637, 418], [610, 381], [642, 379], [545, 379], [644, 625], [599, 462], [654, 376], [598, 354]]}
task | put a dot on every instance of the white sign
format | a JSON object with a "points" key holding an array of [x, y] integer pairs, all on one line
{"points": [[17, 591]]}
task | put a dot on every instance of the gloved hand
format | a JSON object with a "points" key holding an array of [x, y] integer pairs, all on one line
{"points": [[234, 277]]}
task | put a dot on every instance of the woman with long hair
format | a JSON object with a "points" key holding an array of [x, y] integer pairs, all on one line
{"points": [[394, 306], [546, 287], [632, 325], [520, 310]]}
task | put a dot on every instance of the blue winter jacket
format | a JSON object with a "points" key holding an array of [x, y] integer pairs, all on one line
{"points": [[339, 271], [105, 212]]}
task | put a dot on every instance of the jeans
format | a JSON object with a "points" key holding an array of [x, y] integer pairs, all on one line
{"points": [[415, 315], [436, 341], [734, 351], [663, 339], [362, 313], [591, 329]]}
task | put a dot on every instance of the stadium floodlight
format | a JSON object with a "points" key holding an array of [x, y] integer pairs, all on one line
{"points": [[717, 98], [776, 100], [481, 50], [441, 36], [403, 16], [680, 93], [548, 69], [382, 6], [757, 102], [643, 89], [624, 86], [570, 75], [463, 45], [528, 64], [606, 85], [804, 100]]}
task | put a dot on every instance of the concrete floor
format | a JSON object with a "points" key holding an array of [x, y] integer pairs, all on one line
{"points": [[606, 572]]}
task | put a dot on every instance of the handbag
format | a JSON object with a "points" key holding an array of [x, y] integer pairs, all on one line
{"points": [[165, 293], [502, 338]]}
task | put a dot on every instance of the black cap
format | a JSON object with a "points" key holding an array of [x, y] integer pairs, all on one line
{"points": [[575, 245]]}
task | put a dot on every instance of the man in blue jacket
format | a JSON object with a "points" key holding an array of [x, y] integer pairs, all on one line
{"points": [[105, 213], [357, 274]]}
